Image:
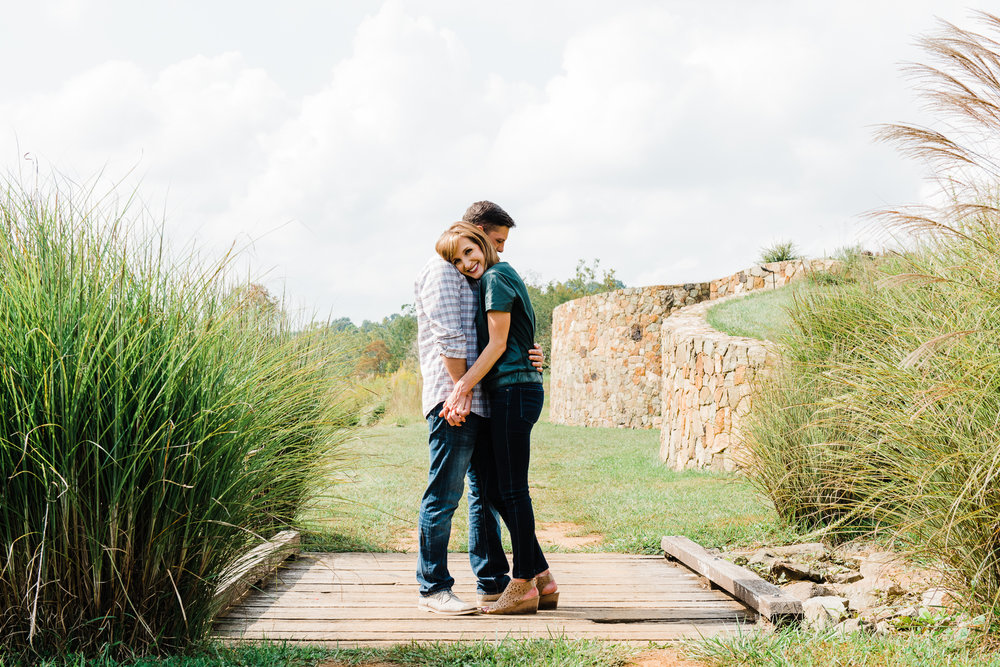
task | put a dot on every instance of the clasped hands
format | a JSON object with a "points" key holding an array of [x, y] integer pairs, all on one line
{"points": [[458, 405]]}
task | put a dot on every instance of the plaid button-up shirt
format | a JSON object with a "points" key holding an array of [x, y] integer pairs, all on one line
{"points": [[446, 305]]}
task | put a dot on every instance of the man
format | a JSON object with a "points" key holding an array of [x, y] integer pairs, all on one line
{"points": [[446, 305]]}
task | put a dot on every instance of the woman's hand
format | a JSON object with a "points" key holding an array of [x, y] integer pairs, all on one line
{"points": [[458, 404]]}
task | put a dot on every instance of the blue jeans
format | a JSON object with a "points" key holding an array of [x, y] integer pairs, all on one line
{"points": [[514, 409], [452, 449]]}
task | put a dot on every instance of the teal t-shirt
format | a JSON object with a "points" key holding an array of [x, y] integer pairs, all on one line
{"points": [[502, 289]]}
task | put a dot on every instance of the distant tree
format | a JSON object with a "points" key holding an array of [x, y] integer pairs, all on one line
{"points": [[374, 359], [586, 281], [254, 299], [379, 347]]}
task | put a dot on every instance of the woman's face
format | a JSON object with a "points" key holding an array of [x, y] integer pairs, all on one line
{"points": [[469, 259]]}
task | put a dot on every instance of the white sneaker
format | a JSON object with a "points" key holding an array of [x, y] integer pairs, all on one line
{"points": [[445, 602]]}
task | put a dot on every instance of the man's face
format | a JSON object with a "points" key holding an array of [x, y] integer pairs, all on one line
{"points": [[498, 235]]}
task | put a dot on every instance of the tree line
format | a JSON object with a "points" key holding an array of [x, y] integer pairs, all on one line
{"points": [[381, 347]]}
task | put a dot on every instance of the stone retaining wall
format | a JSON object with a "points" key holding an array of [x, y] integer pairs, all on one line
{"points": [[767, 276], [620, 359], [605, 357], [708, 378]]}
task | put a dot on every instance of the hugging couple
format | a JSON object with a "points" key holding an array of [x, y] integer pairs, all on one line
{"points": [[482, 393]]}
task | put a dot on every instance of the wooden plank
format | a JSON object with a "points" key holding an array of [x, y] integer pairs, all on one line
{"points": [[253, 603], [254, 566], [647, 633], [388, 586], [318, 573], [377, 643], [452, 625], [397, 559], [597, 614], [369, 599], [745, 585], [409, 576], [671, 634]]}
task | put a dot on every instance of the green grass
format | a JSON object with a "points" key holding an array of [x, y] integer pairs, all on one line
{"points": [[155, 422], [786, 648], [761, 315], [799, 648], [554, 652], [608, 481]]}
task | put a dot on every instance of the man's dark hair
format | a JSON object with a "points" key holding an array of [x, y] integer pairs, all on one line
{"points": [[486, 214]]}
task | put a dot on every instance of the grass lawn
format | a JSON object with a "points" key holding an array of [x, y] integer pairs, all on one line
{"points": [[759, 315], [607, 482]]}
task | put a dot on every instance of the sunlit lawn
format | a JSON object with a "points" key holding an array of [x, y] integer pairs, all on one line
{"points": [[607, 481]]}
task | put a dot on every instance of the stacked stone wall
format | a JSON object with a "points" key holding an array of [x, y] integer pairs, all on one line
{"points": [[628, 359], [606, 358], [708, 380], [767, 276]]}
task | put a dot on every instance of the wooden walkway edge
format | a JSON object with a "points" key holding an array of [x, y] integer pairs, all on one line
{"points": [[356, 599], [255, 566], [766, 598]]}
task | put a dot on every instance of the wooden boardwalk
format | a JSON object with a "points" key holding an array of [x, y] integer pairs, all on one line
{"points": [[354, 599]]}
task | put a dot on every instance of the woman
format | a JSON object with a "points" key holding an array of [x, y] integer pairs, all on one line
{"points": [[505, 322]]}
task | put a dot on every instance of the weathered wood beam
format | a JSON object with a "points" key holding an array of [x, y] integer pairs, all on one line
{"points": [[767, 599], [253, 566]]}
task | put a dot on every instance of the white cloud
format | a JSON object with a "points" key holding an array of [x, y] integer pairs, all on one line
{"points": [[671, 140]]}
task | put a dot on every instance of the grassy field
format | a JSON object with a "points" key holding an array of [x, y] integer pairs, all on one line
{"points": [[760, 315], [592, 482]]}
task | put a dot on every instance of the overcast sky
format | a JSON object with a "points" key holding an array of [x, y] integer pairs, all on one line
{"points": [[670, 140]]}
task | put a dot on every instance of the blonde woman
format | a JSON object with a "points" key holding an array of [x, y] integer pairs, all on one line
{"points": [[505, 324]]}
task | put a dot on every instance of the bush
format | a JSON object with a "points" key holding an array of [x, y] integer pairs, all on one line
{"points": [[782, 251], [153, 425], [885, 413]]}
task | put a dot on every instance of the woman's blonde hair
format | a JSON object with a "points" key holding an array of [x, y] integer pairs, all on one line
{"points": [[447, 245]]}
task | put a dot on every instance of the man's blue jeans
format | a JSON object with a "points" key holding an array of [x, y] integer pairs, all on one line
{"points": [[451, 450]]}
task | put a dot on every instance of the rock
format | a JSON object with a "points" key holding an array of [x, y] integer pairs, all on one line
{"points": [[877, 564], [804, 590], [867, 593], [849, 627], [936, 597], [861, 602], [844, 577], [883, 628], [814, 549], [908, 612], [763, 556], [795, 572], [824, 612]]}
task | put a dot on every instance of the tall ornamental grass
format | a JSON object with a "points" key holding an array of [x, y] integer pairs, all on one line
{"points": [[886, 412], [155, 422]]}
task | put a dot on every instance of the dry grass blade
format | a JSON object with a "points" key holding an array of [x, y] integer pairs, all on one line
{"points": [[924, 143], [919, 356], [914, 220], [898, 279]]}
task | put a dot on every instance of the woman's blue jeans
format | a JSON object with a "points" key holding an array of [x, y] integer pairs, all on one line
{"points": [[514, 409], [451, 453]]}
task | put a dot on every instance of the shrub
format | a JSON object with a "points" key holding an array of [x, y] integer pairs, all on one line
{"points": [[781, 251], [404, 393], [153, 425], [885, 414]]}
